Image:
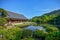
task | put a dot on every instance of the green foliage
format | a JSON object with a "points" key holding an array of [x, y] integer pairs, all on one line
{"points": [[59, 35], [40, 33], [53, 33], [28, 39], [16, 33], [3, 21], [35, 19], [25, 24], [4, 13], [2, 27], [11, 34], [27, 33], [51, 29], [52, 36], [48, 18]]}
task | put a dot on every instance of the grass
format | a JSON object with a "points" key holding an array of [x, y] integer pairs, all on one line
{"points": [[25, 24]]}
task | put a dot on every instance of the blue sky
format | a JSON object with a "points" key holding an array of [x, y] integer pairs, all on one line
{"points": [[30, 8]]}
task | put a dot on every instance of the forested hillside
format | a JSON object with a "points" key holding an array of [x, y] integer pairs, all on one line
{"points": [[51, 17]]}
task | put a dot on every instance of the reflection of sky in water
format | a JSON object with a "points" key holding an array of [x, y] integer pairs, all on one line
{"points": [[34, 28]]}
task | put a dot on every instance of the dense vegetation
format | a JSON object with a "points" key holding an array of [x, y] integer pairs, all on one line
{"points": [[3, 17], [52, 17], [17, 32], [11, 34], [3, 12]]}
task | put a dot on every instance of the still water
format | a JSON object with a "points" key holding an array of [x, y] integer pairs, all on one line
{"points": [[34, 28]]}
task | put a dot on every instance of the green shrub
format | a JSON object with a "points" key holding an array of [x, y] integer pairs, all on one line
{"points": [[11, 34], [3, 21], [51, 29], [40, 33], [4, 12], [53, 35], [28, 39], [27, 33], [22, 25], [25, 24]]}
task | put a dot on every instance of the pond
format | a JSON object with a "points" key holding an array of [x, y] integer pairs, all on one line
{"points": [[36, 32], [34, 28]]}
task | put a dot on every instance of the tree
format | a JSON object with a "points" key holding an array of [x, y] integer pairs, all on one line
{"points": [[3, 12], [40, 33], [12, 33], [3, 15], [35, 19], [3, 21], [27, 33]]}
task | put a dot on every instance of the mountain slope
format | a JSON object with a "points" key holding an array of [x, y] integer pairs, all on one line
{"points": [[48, 17]]}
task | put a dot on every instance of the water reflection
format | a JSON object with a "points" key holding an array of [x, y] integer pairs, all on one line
{"points": [[41, 27], [34, 28]]}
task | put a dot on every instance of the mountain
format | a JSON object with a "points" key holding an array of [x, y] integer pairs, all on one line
{"points": [[50, 17], [56, 19], [54, 12]]}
